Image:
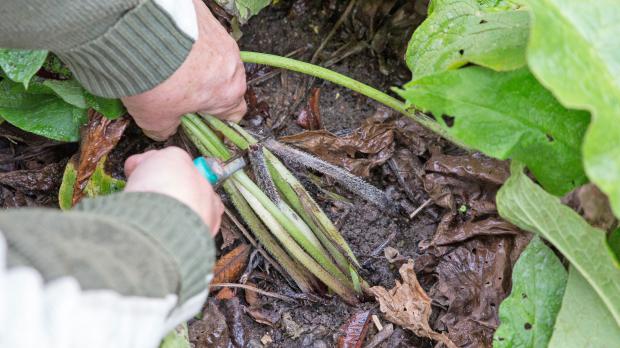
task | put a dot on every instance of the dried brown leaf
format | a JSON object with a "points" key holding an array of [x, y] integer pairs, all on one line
{"points": [[408, 305], [251, 297], [593, 205], [364, 148], [354, 331], [225, 294], [310, 117], [229, 234], [99, 137], [229, 267], [264, 316]]}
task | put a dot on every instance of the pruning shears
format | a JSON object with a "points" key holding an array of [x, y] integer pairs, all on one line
{"points": [[216, 171]]}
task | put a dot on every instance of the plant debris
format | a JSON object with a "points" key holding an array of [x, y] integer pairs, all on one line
{"points": [[364, 148], [408, 305], [229, 267], [99, 137], [310, 117], [354, 331]]}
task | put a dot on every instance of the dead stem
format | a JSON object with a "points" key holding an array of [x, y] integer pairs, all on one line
{"points": [[254, 289]]}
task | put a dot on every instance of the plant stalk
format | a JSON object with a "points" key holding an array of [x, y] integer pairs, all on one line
{"points": [[345, 81]]}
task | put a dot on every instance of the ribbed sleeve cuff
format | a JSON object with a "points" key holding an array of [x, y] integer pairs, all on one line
{"points": [[172, 224], [140, 51]]}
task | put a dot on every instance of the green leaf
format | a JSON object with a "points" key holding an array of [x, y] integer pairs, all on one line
{"points": [[528, 206], [243, 9], [178, 338], [40, 111], [583, 321], [614, 245], [459, 32], [100, 183], [575, 52], [69, 90], [21, 65], [110, 108], [527, 316], [508, 115]]}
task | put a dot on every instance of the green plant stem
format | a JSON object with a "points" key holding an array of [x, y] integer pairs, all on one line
{"points": [[345, 81]]}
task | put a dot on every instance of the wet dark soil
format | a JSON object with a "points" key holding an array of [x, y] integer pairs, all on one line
{"points": [[299, 27]]}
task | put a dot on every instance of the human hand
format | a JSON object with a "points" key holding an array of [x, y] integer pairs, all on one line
{"points": [[171, 172], [211, 80]]}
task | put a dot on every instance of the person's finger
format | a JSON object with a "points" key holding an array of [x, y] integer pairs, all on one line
{"points": [[134, 161], [235, 114]]}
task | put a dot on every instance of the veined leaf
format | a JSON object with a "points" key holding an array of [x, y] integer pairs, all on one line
{"points": [[71, 91], [458, 32], [40, 112], [21, 65], [584, 320], [528, 206], [575, 52], [528, 315], [68, 90], [507, 115]]}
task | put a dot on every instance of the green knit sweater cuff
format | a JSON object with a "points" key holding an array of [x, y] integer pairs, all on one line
{"points": [[140, 51], [177, 228]]}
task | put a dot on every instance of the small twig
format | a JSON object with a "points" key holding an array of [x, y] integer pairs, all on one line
{"points": [[376, 251], [256, 290], [332, 32], [417, 211], [258, 247]]}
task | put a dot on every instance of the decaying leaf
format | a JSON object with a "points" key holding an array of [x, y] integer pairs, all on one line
{"points": [[408, 305], [263, 315], [99, 137], [229, 267], [225, 294], [46, 179], [310, 117], [229, 235], [364, 148], [473, 279], [393, 255], [354, 331], [593, 205]]}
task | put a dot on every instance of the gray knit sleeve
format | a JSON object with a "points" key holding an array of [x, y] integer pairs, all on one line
{"points": [[115, 48]]}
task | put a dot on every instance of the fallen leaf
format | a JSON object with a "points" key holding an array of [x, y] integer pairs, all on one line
{"points": [[593, 205], [472, 280], [473, 180], [229, 267], [233, 313], [354, 331], [392, 255], [99, 137], [408, 305], [264, 316], [227, 230], [447, 233], [251, 297], [366, 147], [310, 117], [211, 331], [225, 294]]}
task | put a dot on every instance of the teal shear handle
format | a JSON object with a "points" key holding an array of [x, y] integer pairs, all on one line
{"points": [[215, 171], [204, 166]]}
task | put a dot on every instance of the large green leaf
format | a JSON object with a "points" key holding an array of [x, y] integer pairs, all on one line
{"points": [[21, 65], [507, 115], [462, 31], [69, 90], [528, 206], [527, 316], [583, 321], [574, 51], [40, 111]]}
